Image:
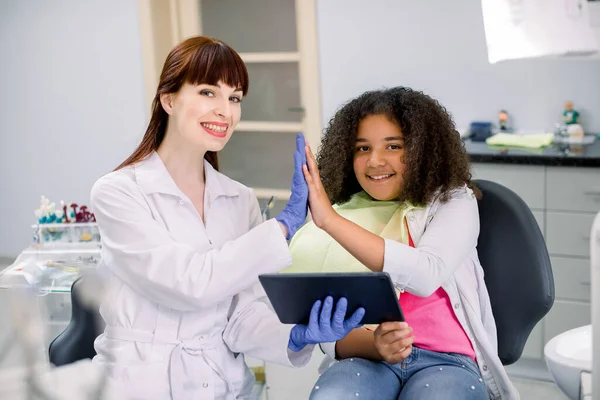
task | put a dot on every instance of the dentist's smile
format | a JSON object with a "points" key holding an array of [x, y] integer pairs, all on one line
{"points": [[218, 129]]}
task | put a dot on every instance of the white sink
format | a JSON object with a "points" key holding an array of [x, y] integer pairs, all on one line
{"points": [[567, 355]]}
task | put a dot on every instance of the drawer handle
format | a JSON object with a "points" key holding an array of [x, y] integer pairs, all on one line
{"points": [[586, 238], [586, 283], [592, 192]]}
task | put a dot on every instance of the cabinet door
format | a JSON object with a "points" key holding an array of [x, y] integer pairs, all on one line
{"points": [[277, 41], [572, 279], [573, 189], [568, 233], [565, 315], [246, 159], [526, 181]]}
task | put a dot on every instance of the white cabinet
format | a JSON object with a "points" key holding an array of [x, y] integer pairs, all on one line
{"points": [[564, 201], [525, 180], [572, 279], [573, 189], [568, 233], [566, 315]]}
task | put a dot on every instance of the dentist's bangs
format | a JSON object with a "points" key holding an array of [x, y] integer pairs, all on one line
{"points": [[215, 62]]}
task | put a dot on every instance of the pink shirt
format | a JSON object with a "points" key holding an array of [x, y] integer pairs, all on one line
{"points": [[434, 323]]}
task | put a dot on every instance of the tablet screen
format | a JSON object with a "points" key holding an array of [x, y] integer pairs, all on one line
{"points": [[293, 295]]}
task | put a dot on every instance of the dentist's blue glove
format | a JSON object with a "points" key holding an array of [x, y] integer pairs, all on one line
{"points": [[322, 328], [294, 213]]}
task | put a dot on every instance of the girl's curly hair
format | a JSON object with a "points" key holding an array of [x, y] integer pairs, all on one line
{"points": [[436, 159]]}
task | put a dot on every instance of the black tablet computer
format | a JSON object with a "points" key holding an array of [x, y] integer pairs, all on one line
{"points": [[293, 295]]}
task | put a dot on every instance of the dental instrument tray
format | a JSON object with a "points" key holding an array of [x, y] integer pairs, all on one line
{"points": [[293, 295]]}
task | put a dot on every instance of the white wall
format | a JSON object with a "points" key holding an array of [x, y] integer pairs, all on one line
{"points": [[72, 103], [438, 46]]}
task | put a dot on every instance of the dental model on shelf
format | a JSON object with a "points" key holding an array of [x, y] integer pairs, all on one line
{"points": [[67, 225], [66, 243]]}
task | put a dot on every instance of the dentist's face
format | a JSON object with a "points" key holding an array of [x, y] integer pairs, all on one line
{"points": [[204, 115], [379, 157]]}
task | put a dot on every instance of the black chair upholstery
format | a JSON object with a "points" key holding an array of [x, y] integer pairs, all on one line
{"points": [[515, 260], [76, 342]]}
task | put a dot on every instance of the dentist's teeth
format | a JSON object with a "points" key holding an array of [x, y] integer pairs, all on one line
{"points": [[215, 128]]}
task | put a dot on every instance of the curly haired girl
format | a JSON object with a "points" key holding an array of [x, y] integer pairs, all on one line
{"points": [[391, 191]]}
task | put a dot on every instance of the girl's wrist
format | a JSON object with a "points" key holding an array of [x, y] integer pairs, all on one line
{"points": [[331, 221]]}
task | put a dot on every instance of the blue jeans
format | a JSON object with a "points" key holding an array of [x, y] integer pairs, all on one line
{"points": [[423, 375]]}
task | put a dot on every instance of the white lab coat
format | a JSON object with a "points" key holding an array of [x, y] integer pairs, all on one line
{"points": [[184, 302]]}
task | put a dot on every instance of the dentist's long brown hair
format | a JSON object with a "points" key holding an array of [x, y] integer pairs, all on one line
{"points": [[196, 60]]}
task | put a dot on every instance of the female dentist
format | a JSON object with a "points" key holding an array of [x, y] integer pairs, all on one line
{"points": [[183, 246]]}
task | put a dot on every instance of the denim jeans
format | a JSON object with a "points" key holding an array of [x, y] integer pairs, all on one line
{"points": [[423, 375]]}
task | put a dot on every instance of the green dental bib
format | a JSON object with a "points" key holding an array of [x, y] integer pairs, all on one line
{"points": [[313, 250]]}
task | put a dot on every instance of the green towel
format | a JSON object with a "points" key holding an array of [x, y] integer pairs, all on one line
{"points": [[532, 141], [531, 150]]}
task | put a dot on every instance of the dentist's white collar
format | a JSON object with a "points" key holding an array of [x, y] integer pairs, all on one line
{"points": [[153, 177]]}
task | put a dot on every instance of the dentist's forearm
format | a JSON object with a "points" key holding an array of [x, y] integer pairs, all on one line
{"points": [[365, 246]]}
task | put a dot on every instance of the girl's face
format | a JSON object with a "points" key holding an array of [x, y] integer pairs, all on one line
{"points": [[203, 115], [379, 157]]}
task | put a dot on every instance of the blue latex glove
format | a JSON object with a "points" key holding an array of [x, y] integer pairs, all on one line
{"points": [[322, 328], [295, 211]]}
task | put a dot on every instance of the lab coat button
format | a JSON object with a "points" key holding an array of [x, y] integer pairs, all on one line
{"points": [[485, 368], [205, 385], [411, 217], [182, 201], [456, 305]]}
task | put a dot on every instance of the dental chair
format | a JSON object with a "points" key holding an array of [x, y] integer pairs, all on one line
{"points": [[76, 342], [517, 268]]}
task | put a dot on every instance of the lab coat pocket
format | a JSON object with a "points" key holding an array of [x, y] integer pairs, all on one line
{"points": [[143, 381], [243, 382], [235, 369]]}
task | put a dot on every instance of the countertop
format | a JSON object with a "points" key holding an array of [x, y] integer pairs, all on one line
{"points": [[558, 154]]}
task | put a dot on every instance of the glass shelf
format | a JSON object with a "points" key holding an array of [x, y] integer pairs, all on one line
{"points": [[66, 236], [49, 270]]}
